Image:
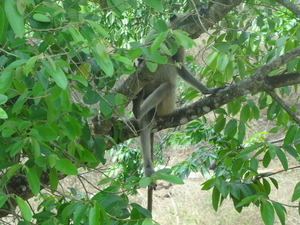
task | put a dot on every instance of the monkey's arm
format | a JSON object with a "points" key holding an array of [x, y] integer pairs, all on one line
{"points": [[188, 77]]}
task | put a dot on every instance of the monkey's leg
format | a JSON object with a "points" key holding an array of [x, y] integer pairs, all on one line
{"points": [[150, 190], [155, 98]]}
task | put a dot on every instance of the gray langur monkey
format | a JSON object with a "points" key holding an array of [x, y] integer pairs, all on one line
{"points": [[158, 97]]}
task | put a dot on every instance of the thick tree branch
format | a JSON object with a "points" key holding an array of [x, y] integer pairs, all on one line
{"points": [[283, 105], [291, 6], [210, 103]]}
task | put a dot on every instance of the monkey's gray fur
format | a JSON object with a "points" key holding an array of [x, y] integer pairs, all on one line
{"points": [[158, 97]]}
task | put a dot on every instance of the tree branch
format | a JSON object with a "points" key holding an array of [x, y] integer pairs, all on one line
{"points": [[212, 102], [290, 6], [283, 105]]}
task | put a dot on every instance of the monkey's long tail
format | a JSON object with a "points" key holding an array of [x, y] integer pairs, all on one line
{"points": [[150, 199]]}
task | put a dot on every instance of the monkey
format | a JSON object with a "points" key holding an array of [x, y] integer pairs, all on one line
{"points": [[158, 97]]}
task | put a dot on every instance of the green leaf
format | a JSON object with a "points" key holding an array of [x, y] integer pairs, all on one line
{"points": [[290, 134], [231, 128], [267, 213], [80, 79], [274, 181], [145, 181], [135, 53], [94, 214], [247, 200], [66, 167], [12, 170], [53, 178], [57, 74], [183, 39], [3, 99], [105, 180], [272, 111], [3, 114], [46, 133], [169, 178], [245, 113], [248, 150], [106, 105], [241, 132], [280, 41], [76, 35], [147, 221], [87, 156], [2, 21], [291, 150], [24, 208], [35, 148], [33, 180], [15, 19], [17, 147], [282, 158], [280, 211], [98, 28], [157, 42], [296, 193], [266, 159], [3, 199], [151, 66], [52, 159], [123, 59], [29, 64], [79, 213], [155, 4], [6, 79], [222, 62], [215, 198], [220, 124], [102, 59], [41, 17], [234, 190]]}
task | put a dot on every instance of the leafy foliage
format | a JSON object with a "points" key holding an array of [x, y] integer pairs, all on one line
{"points": [[59, 65]]}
